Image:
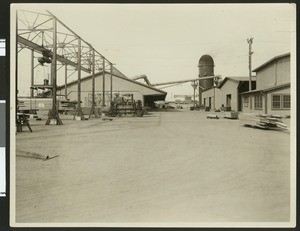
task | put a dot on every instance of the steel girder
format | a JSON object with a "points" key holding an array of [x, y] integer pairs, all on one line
{"points": [[46, 34]]}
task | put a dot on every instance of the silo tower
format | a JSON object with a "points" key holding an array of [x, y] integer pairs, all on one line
{"points": [[206, 68]]}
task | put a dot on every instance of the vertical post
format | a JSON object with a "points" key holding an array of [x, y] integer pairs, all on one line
{"points": [[79, 75], [66, 80], [32, 73], [93, 80], [250, 41], [93, 110], [200, 94], [214, 98], [111, 83], [103, 88], [194, 85], [195, 95], [53, 114], [16, 70], [53, 65], [79, 110], [16, 73]]}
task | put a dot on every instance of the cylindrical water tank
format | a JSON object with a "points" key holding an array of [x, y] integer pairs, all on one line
{"points": [[206, 68]]}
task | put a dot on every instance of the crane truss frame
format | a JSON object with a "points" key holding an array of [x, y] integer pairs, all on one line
{"points": [[47, 35]]}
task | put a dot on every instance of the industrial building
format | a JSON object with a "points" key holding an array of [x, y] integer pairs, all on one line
{"points": [[232, 88], [272, 93], [227, 95], [120, 84], [98, 90], [212, 98]]}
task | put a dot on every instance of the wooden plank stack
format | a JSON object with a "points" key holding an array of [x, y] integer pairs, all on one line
{"points": [[267, 122]]}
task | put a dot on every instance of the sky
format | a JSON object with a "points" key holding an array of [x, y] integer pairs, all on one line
{"points": [[166, 41]]}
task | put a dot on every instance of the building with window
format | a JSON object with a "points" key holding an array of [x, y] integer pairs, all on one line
{"points": [[272, 93], [212, 98], [228, 94]]}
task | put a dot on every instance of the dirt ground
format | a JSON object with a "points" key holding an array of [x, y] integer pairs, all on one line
{"points": [[164, 167]]}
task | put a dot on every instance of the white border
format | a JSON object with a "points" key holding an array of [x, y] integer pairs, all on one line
{"points": [[290, 224]]}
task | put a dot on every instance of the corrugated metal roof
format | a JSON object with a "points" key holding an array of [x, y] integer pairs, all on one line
{"points": [[270, 61], [236, 79], [121, 77]]}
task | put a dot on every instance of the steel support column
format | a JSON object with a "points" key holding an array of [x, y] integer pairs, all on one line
{"points": [[79, 109], [53, 113], [32, 74], [66, 81], [93, 109]]}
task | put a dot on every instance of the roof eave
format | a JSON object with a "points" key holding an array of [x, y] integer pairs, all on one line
{"points": [[121, 77], [270, 61]]}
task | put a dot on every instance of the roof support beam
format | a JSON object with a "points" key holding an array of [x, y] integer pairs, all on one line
{"points": [[38, 48]]}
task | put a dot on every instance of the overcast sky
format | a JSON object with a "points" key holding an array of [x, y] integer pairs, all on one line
{"points": [[166, 41]]}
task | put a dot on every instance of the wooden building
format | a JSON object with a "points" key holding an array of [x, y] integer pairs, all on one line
{"points": [[272, 93], [227, 95]]}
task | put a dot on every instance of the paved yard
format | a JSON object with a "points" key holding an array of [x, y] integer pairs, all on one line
{"points": [[165, 167]]}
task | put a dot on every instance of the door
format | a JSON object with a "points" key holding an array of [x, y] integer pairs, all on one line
{"points": [[228, 101]]}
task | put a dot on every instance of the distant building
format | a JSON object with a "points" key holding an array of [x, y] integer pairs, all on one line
{"points": [[182, 98], [272, 93]]}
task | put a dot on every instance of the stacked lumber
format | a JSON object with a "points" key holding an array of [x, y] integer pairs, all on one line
{"points": [[267, 122]]}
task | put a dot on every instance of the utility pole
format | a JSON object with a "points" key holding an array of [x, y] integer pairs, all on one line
{"points": [[250, 41], [194, 85]]}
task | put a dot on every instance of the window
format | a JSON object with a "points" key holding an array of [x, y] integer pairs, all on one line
{"points": [[276, 101], [258, 102], [286, 101], [228, 100], [281, 101]]}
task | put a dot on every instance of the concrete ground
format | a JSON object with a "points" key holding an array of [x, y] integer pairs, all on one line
{"points": [[166, 167]]}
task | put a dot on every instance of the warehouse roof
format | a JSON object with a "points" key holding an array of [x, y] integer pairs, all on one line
{"points": [[271, 61], [236, 79], [114, 75], [276, 87]]}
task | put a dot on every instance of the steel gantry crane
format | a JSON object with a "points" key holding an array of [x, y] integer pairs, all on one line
{"points": [[59, 45]]}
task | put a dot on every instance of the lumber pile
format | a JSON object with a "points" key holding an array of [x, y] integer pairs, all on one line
{"points": [[267, 122]]}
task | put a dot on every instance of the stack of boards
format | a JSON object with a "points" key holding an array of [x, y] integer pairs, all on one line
{"points": [[268, 122]]}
